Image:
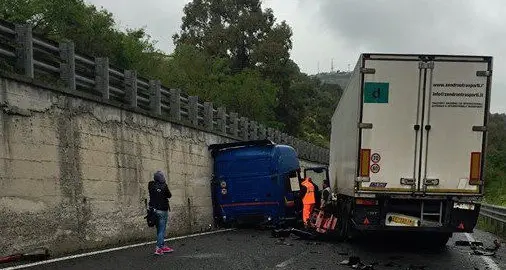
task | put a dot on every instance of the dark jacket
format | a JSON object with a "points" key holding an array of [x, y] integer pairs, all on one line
{"points": [[159, 193]]}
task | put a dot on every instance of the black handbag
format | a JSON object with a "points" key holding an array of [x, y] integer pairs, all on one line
{"points": [[150, 217]]}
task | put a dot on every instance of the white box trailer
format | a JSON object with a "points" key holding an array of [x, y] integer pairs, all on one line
{"points": [[408, 143]]}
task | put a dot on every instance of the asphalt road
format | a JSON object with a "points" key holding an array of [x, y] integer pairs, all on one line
{"points": [[254, 249]]}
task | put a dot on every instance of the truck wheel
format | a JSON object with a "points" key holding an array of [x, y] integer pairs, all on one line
{"points": [[436, 240], [344, 222], [440, 240]]}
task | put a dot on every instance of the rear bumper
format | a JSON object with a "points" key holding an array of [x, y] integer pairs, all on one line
{"points": [[382, 228], [451, 219]]}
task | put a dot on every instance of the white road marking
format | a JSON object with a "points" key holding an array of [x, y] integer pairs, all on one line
{"points": [[109, 250], [203, 256], [490, 263], [290, 261]]}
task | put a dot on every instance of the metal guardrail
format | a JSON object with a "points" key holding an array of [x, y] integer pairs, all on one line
{"points": [[45, 60], [494, 216], [497, 213]]}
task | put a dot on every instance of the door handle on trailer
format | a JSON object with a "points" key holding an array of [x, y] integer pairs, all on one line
{"points": [[480, 128], [407, 181], [416, 127], [428, 127], [431, 181]]}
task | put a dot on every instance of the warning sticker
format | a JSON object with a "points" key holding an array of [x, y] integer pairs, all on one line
{"points": [[375, 158], [375, 168]]}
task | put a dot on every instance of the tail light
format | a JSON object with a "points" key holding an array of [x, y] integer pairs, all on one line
{"points": [[365, 157], [475, 170], [366, 202]]}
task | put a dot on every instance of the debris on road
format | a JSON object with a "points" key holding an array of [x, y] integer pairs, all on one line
{"points": [[417, 267], [303, 234], [468, 243], [355, 263], [283, 242], [486, 251], [277, 233], [38, 254], [391, 264]]}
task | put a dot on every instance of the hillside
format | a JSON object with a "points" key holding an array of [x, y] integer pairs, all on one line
{"points": [[339, 77]]}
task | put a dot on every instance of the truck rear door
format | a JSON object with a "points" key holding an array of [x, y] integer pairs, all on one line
{"points": [[422, 123], [390, 112], [455, 117]]}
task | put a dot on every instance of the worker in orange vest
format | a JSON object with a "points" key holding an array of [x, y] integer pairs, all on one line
{"points": [[308, 198]]}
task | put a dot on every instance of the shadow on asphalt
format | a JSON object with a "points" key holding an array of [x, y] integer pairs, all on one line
{"points": [[395, 242]]}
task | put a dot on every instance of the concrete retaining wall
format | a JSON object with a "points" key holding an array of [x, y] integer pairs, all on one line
{"points": [[74, 173]]}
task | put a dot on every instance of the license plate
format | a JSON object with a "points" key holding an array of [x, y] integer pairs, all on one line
{"points": [[401, 220], [463, 206]]}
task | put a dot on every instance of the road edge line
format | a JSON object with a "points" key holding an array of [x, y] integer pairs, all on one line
{"points": [[489, 261], [110, 250]]}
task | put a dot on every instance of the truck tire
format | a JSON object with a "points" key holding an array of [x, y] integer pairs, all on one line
{"points": [[435, 240], [440, 240], [344, 220]]}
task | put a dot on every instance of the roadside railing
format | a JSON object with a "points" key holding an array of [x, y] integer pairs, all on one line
{"points": [[494, 218], [54, 63]]}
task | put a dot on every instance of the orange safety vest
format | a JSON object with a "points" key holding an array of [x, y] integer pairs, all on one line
{"points": [[309, 197]]}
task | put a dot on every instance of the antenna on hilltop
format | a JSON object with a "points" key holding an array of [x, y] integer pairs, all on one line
{"points": [[348, 67], [332, 65], [318, 67]]}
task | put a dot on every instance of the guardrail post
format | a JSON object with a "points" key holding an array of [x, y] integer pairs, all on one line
{"points": [[234, 123], [253, 130], [68, 64], [24, 49], [222, 120], [208, 116], [312, 151], [155, 97], [244, 128], [175, 104], [284, 138], [131, 88], [270, 134], [102, 76], [290, 141], [193, 108], [277, 136], [262, 132]]}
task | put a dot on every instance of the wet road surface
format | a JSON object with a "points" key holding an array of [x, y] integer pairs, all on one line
{"points": [[256, 249]]}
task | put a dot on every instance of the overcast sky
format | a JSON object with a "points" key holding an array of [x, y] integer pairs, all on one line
{"points": [[342, 29]]}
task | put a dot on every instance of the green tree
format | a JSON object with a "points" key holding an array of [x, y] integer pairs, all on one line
{"points": [[209, 78], [250, 38], [495, 170], [239, 30]]}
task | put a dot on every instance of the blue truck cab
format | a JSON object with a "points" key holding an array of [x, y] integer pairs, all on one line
{"points": [[254, 182]]}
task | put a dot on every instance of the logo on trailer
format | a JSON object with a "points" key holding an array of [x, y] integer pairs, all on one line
{"points": [[376, 92], [375, 168], [375, 158]]}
